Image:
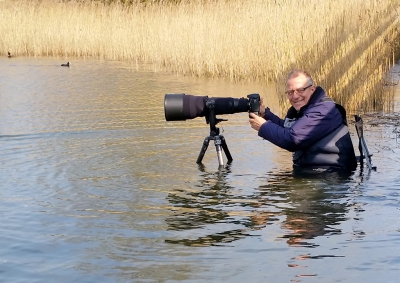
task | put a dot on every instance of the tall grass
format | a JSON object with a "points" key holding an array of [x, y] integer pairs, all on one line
{"points": [[347, 45]]}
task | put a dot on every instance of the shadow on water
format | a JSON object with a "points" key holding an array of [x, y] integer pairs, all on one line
{"points": [[304, 204]]}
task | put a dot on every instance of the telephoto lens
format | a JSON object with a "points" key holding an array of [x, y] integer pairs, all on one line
{"points": [[180, 107]]}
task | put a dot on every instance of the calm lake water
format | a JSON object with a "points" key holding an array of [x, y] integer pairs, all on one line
{"points": [[95, 186]]}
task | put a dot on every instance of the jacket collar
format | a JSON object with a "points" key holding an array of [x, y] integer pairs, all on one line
{"points": [[315, 97]]}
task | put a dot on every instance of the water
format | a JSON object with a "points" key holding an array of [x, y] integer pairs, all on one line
{"points": [[95, 186]]}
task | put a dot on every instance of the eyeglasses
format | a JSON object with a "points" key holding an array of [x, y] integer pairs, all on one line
{"points": [[298, 91]]}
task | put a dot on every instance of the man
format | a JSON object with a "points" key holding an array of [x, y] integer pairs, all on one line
{"points": [[314, 129]]}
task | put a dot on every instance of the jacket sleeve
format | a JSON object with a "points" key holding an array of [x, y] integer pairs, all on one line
{"points": [[316, 122], [272, 117]]}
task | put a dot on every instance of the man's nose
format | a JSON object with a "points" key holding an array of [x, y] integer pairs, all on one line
{"points": [[295, 94]]}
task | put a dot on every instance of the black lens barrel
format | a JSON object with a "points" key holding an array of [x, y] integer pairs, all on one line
{"points": [[228, 105], [173, 107], [179, 107]]}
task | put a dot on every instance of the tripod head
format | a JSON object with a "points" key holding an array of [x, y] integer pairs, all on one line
{"points": [[219, 140], [212, 119]]}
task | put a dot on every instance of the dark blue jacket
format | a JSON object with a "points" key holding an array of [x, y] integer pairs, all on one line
{"points": [[317, 134]]}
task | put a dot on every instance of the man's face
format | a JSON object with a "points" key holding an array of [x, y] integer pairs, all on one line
{"points": [[299, 91]]}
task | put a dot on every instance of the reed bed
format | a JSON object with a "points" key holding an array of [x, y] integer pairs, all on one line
{"points": [[347, 45]]}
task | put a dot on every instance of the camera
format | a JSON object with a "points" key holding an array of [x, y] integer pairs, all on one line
{"points": [[179, 107]]}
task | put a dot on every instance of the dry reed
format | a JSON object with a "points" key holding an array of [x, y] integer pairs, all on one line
{"points": [[347, 45]]}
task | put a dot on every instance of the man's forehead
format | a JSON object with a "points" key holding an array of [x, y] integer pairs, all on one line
{"points": [[298, 79]]}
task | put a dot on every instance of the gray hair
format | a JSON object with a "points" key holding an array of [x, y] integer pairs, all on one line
{"points": [[296, 73]]}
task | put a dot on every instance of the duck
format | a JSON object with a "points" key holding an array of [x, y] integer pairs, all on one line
{"points": [[65, 65], [9, 54]]}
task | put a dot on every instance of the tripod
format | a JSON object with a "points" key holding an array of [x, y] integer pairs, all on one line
{"points": [[218, 139]]}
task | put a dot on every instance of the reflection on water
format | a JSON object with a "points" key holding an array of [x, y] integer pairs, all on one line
{"points": [[95, 186], [316, 210], [195, 210], [310, 207]]}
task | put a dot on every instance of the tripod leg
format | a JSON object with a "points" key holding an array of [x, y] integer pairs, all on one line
{"points": [[226, 150], [218, 143], [203, 149]]}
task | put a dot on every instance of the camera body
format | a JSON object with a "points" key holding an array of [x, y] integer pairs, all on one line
{"points": [[254, 103]]}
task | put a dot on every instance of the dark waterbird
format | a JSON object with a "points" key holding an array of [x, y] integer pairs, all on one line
{"points": [[65, 65], [9, 54]]}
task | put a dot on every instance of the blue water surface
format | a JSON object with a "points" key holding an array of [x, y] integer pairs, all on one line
{"points": [[95, 186]]}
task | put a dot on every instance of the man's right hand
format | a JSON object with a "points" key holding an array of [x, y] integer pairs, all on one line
{"points": [[262, 107], [256, 121]]}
